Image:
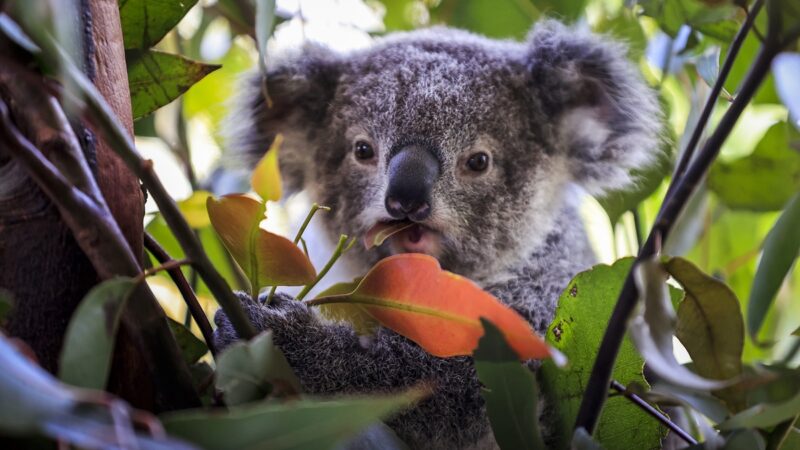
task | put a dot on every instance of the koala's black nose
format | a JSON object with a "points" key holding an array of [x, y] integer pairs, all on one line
{"points": [[412, 172]]}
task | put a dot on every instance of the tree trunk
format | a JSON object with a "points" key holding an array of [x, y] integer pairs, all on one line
{"points": [[40, 263]]}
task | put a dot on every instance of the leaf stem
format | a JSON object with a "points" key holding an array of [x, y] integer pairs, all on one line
{"points": [[314, 208], [192, 305], [342, 247], [658, 415], [597, 386], [299, 238]]}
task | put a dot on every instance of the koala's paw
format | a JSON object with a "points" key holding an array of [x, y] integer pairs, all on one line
{"points": [[283, 312]]}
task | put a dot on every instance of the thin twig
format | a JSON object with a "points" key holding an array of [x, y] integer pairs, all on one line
{"points": [[165, 267], [719, 84], [192, 305], [658, 415], [596, 387]]}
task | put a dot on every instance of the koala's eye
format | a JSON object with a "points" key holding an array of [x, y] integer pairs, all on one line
{"points": [[363, 150], [478, 162]]}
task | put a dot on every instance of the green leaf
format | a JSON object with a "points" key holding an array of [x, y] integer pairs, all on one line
{"points": [[766, 179], [764, 415], [652, 330], [716, 21], [510, 392], [265, 22], [191, 347], [266, 178], [302, 424], [157, 78], [249, 371], [580, 320], [354, 314], [745, 440], [741, 66], [781, 247], [493, 18], [145, 22], [194, 209], [89, 341], [710, 327], [32, 401], [786, 66]]}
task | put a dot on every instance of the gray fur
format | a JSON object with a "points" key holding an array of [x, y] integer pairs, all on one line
{"points": [[563, 107]]}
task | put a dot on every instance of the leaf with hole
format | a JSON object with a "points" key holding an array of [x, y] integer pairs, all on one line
{"points": [[89, 342], [156, 78], [267, 259], [581, 317], [438, 310], [509, 390]]}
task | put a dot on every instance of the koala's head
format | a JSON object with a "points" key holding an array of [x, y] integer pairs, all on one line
{"points": [[472, 140]]}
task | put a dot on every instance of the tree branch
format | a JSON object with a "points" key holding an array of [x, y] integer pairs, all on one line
{"points": [[186, 291], [600, 378], [658, 415], [702, 121]]}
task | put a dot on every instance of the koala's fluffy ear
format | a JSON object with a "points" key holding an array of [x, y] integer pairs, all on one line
{"points": [[300, 88], [603, 114]]}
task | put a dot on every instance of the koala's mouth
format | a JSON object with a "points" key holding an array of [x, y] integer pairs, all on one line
{"points": [[406, 236]]}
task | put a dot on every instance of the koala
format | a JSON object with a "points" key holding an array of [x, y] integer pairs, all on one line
{"points": [[476, 143]]}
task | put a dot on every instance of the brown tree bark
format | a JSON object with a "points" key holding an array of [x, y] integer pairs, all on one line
{"points": [[40, 263]]}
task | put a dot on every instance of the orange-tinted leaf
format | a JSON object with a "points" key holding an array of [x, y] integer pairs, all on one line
{"points": [[266, 180], [382, 231], [438, 310], [266, 258]]}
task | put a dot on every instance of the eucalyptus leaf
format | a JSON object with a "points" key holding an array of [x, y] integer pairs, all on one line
{"points": [[354, 314], [786, 68], [581, 317], [265, 22], [653, 328], [89, 341], [781, 247], [764, 415], [32, 402], [156, 78], [303, 424], [710, 326], [146, 22], [764, 180], [509, 390], [191, 347], [249, 371]]}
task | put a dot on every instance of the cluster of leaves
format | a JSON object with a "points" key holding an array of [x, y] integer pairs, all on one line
{"points": [[740, 390]]}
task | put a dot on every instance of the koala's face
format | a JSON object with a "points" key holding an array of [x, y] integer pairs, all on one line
{"points": [[460, 137]]}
